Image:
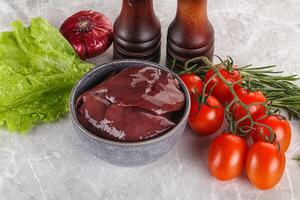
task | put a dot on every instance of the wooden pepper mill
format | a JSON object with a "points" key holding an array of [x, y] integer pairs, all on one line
{"points": [[190, 34], [137, 31]]}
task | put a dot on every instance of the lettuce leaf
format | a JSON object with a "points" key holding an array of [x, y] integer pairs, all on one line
{"points": [[38, 68]]}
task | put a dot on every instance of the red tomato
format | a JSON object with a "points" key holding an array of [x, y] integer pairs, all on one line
{"points": [[227, 156], [248, 97], [192, 82], [280, 127], [265, 165], [221, 90], [206, 119]]}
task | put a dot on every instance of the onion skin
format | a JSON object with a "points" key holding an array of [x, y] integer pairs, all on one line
{"points": [[89, 32]]}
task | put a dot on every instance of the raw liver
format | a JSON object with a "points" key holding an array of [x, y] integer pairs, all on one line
{"points": [[131, 105]]}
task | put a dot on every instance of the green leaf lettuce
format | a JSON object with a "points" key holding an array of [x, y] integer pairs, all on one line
{"points": [[38, 68]]}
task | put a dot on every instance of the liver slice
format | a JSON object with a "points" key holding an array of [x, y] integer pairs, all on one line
{"points": [[131, 124], [129, 106]]}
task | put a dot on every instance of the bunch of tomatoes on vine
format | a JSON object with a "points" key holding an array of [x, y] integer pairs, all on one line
{"points": [[224, 94]]}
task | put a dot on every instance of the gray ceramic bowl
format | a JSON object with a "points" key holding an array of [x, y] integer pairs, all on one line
{"points": [[122, 153]]}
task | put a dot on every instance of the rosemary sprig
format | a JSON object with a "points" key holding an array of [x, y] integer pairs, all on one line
{"points": [[297, 158], [280, 90]]}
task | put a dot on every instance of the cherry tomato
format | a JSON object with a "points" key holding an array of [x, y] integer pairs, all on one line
{"points": [[265, 165], [280, 127], [248, 97], [192, 82], [206, 119], [221, 90], [227, 156]]}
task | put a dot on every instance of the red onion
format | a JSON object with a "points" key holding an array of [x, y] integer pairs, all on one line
{"points": [[89, 32]]}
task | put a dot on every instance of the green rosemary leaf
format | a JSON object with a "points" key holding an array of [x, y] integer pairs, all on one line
{"points": [[278, 88], [297, 158]]}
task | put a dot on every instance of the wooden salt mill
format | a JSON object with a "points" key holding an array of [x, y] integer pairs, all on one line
{"points": [[190, 34], [137, 31]]}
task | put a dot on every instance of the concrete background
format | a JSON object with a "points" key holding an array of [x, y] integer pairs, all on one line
{"points": [[51, 163]]}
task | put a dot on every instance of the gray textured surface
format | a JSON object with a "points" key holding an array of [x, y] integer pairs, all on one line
{"points": [[51, 163]]}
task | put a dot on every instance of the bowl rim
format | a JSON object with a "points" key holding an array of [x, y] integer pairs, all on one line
{"points": [[72, 101]]}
